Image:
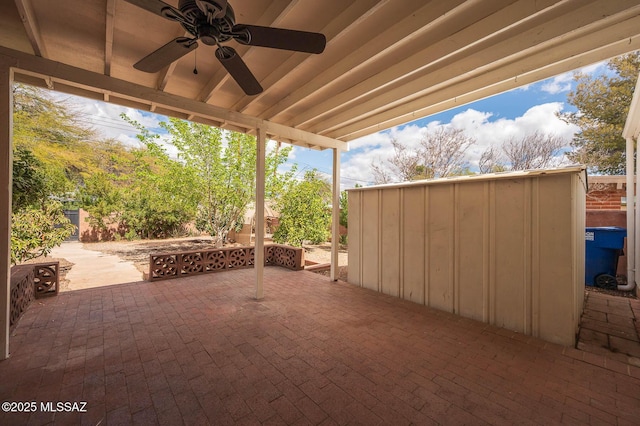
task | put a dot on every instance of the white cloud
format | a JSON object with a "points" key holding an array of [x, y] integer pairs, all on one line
{"points": [[477, 124], [373, 140], [105, 117], [523, 88], [594, 68], [563, 82], [293, 152], [558, 84]]}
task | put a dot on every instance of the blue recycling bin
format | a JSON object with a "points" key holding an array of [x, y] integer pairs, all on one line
{"points": [[603, 247]]}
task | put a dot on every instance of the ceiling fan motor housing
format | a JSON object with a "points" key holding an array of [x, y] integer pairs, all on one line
{"points": [[209, 28], [190, 10], [210, 35]]}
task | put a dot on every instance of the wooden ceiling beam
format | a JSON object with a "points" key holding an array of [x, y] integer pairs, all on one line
{"points": [[108, 45], [119, 89], [545, 37], [31, 27], [387, 39], [165, 75], [537, 67], [443, 42], [167, 72], [339, 27]]}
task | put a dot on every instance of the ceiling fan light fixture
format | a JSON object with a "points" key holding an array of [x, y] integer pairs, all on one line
{"points": [[209, 35]]}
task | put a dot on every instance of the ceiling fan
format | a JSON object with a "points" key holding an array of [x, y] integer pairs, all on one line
{"points": [[213, 23]]}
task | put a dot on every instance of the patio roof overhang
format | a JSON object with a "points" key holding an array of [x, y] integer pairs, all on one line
{"points": [[387, 62]]}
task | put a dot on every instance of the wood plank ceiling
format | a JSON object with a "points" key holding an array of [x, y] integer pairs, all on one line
{"points": [[387, 62]]}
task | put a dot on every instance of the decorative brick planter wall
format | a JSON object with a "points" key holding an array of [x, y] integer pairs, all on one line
{"points": [[22, 292], [29, 282], [46, 279], [176, 265]]}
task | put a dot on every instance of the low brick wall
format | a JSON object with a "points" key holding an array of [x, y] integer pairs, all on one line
{"points": [[22, 292], [176, 265], [29, 282]]}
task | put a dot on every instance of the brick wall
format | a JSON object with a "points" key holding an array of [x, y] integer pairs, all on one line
{"points": [[606, 192], [605, 208], [89, 234], [605, 197]]}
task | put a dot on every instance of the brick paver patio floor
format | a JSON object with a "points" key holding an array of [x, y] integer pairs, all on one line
{"points": [[610, 325], [201, 351]]}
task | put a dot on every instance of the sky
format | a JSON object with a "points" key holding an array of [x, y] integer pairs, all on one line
{"points": [[490, 121]]}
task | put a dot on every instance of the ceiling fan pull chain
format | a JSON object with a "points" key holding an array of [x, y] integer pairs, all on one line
{"points": [[195, 62]]}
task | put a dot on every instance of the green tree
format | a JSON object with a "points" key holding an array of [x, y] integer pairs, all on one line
{"points": [[101, 198], [37, 230], [29, 182], [157, 196], [224, 167], [344, 213], [344, 208], [38, 118], [304, 211], [37, 222], [603, 104], [49, 129]]}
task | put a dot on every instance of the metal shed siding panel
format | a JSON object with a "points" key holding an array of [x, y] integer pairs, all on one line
{"points": [[413, 241], [555, 294], [370, 240], [440, 240], [354, 270], [470, 240], [508, 292], [390, 242]]}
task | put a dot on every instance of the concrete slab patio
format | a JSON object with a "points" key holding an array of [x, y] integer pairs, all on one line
{"points": [[200, 350]]}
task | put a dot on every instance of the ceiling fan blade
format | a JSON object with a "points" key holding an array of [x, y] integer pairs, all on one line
{"points": [[279, 38], [172, 51], [236, 67], [153, 6]]}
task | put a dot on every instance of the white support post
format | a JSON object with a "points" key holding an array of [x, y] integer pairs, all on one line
{"points": [[631, 195], [6, 130], [335, 216], [630, 283], [630, 133], [260, 178]]}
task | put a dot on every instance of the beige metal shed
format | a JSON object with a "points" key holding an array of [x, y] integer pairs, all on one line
{"points": [[506, 249]]}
